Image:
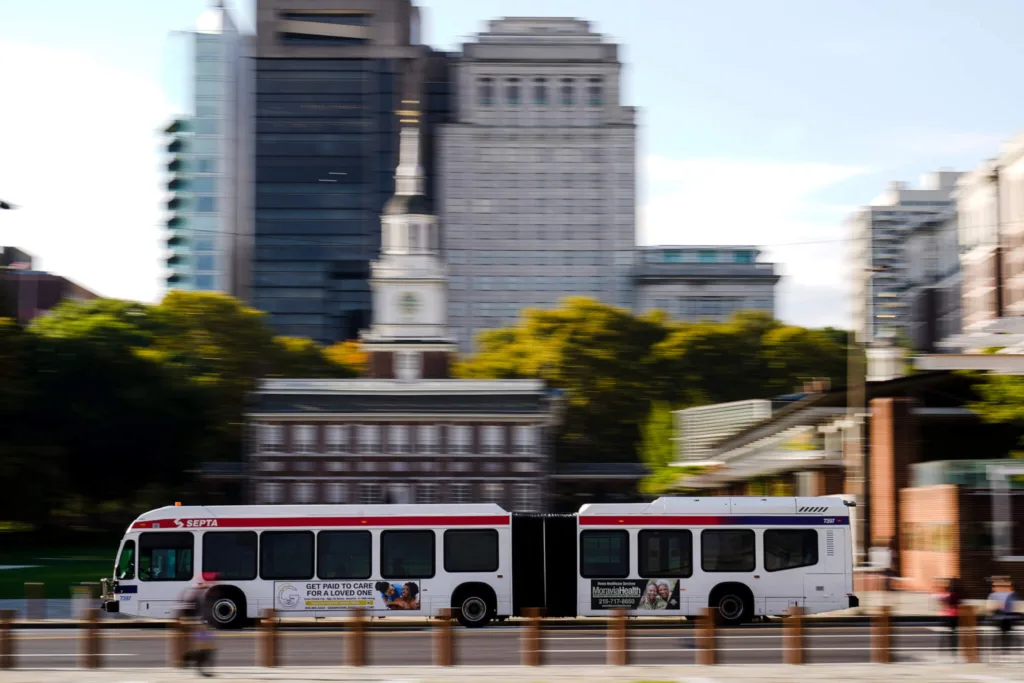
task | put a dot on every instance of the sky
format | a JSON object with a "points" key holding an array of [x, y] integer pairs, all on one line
{"points": [[761, 122]]}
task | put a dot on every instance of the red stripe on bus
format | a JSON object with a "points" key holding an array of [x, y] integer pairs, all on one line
{"points": [[316, 522], [654, 520]]}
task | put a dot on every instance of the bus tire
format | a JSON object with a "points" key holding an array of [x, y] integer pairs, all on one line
{"points": [[225, 608], [476, 604], [734, 602]]}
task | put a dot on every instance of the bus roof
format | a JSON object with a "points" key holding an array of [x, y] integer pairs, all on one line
{"points": [[298, 516], [724, 505]]}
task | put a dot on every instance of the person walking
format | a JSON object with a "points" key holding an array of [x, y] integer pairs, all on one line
{"points": [[949, 609], [1004, 611], [199, 647]]}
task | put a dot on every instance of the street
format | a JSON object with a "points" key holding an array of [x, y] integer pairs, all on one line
{"points": [[490, 646]]}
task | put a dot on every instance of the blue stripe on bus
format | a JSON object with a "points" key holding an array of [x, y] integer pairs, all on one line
{"points": [[776, 520], [126, 589]]}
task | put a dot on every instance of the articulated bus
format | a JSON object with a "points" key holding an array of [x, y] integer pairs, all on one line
{"points": [[747, 557]]}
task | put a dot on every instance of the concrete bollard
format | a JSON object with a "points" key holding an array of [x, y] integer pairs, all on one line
{"points": [[268, 644], [618, 642], [533, 653], [444, 639], [968, 627], [707, 638], [89, 652], [793, 636], [177, 643], [35, 601], [356, 638], [881, 635], [6, 639]]}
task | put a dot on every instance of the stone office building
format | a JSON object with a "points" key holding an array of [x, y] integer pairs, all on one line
{"points": [[408, 433]]}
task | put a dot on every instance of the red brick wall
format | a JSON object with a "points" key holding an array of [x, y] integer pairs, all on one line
{"points": [[930, 537], [894, 447], [381, 365]]}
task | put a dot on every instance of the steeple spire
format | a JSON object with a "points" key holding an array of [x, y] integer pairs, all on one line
{"points": [[409, 174]]}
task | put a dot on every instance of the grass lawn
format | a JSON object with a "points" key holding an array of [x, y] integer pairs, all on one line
{"points": [[58, 568]]}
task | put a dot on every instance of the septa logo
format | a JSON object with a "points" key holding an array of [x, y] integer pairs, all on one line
{"points": [[192, 523]]}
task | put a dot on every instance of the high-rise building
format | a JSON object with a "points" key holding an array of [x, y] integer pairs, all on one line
{"points": [[990, 201], [931, 252], [878, 234], [704, 283], [538, 168], [210, 165], [328, 81]]}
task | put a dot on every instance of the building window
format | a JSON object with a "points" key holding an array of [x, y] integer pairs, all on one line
{"points": [[744, 257], [304, 438], [513, 93], [270, 492], [492, 492], [460, 492], [527, 498], [526, 439], [595, 93], [426, 494], [540, 92], [568, 92], [304, 492], [369, 493], [707, 256], [428, 441], [369, 438], [206, 204], [459, 440], [485, 92], [398, 439], [399, 494], [337, 492], [271, 438], [337, 438], [408, 365], [494, 439]]}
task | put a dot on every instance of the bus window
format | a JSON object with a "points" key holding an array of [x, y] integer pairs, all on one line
{"points": [[666, 554], [727, 550], [230, 555], [471, 550], [407, 554], [125, 567], [604, 554], [790, 549], [165, 556], [343, 555], [286, 555]]}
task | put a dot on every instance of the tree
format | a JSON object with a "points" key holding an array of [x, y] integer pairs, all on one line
{"points": [[302, 358], [657, 449], [349, 355], [599, 354]]}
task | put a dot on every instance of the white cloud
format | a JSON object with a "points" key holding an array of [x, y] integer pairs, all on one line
{"points": [[728, 201], [78, 154]]}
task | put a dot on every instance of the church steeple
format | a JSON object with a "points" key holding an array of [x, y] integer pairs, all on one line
{"points": [[409, 174]]}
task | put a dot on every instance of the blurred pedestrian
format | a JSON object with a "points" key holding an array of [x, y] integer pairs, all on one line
{"points": [[199, 647], [949, 597], [1004, 611]]}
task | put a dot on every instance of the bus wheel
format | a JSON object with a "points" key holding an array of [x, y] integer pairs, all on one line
{"points": [[225, 608], [476, 604], [733, 601]]}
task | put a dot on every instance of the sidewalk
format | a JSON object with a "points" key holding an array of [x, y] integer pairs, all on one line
{"points": [[852, 673]]}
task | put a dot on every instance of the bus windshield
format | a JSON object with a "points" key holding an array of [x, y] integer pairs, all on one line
{"points": [[125, 567]]}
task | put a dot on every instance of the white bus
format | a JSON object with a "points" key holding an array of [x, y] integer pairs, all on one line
{"points": [[745, 556]]}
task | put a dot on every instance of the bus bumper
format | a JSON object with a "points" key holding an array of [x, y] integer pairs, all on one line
{"points": [[112, 606], [854, 601]]}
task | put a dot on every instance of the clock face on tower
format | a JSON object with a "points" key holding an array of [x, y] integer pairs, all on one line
{"points": [[409, 303]]}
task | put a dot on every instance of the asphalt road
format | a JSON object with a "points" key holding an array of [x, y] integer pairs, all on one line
{"points": [[490, 646]]}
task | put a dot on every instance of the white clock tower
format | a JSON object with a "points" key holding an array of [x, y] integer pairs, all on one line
{"points": [[409, 282]]}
